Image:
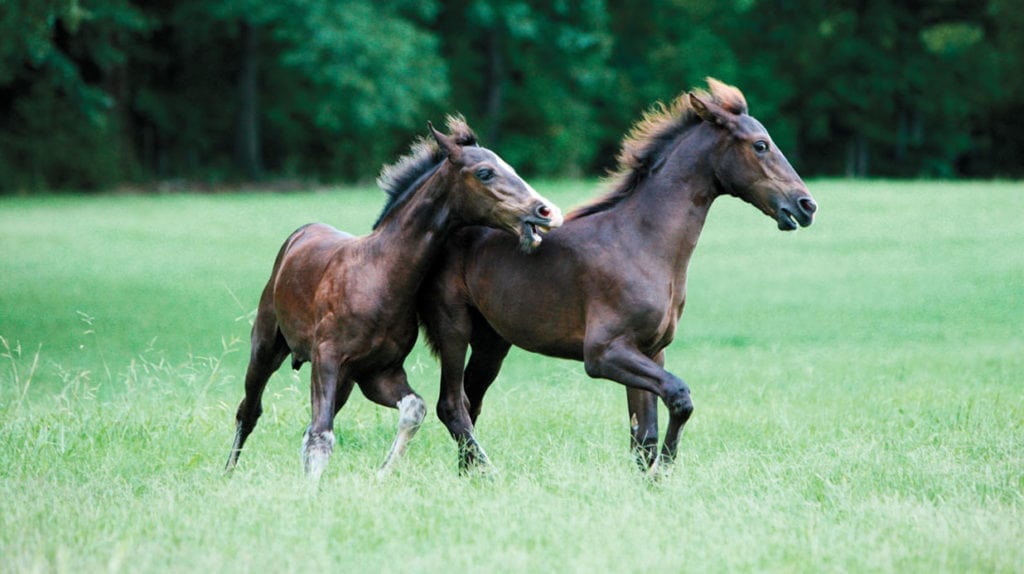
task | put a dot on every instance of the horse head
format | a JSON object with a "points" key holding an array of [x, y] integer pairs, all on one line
{"points": [[747, 164], [488, 191]]}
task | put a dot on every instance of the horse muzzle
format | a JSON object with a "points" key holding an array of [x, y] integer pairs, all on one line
{"points": [[542, 219], [793, 212]]}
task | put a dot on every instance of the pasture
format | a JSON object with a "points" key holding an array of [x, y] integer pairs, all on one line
{"points": [[858, 392]]}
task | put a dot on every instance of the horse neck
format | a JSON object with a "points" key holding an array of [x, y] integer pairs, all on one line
{"points": [[414, 233], [670, 205]]}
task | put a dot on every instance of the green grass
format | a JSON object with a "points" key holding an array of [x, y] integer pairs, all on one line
{"points": [[857, 384]]}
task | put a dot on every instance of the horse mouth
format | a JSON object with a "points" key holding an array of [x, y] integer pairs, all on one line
{"points": [[543, 218], [788, 220], [530, 236]]}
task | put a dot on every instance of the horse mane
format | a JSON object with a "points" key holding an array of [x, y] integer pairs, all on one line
{"points": [[400, 179], [651, 138]]}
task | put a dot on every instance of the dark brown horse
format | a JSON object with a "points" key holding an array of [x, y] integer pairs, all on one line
{"points": [[614, 275], [347, 304]]}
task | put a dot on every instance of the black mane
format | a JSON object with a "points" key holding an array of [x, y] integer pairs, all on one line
{"points": [[400, 179], [650, 139], [642, 149]]}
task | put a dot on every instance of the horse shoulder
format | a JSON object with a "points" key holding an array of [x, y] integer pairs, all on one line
{"points": [[643, 306]]}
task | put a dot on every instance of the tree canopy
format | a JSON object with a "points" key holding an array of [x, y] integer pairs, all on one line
{"points": [[95, 93]]}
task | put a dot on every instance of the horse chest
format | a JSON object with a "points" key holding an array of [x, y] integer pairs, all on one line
{"points": [[656, 314]]}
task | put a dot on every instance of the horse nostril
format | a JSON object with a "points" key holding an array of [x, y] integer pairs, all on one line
{"points": [[807, 205], [544, 211]]}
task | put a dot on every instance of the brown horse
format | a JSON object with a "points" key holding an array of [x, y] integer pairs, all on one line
{"points": [[614, 274], [347, 304]]}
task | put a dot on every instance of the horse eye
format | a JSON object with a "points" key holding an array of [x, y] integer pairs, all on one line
{"points": [[485, 174], [760, 146]]}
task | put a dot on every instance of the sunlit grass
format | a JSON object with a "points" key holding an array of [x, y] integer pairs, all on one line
{"points": [[857, 388]]}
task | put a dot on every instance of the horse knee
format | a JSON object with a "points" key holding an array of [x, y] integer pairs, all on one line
{"points": [[411, 411], [449, 409], [446, 412], [680, 404]]}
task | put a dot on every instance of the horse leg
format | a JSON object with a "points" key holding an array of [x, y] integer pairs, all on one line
{"points": [[675, 423], [268, 352], [489, 352], [318, 442], [453, 409], [452, 403], [643, 422], [449, 326], [672, 435], [643, 426], [391, 389], [622, 362]]}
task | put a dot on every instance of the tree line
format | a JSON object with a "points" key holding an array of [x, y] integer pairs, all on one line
{"points": [[95, 93]]}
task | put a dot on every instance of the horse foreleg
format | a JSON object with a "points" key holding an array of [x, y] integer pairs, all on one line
{"points": [[676, 422], [453, 407], [622, 362], [268, 352], [643, 426], [411, 410], [392, 390], [672, 435], [489, 352]]}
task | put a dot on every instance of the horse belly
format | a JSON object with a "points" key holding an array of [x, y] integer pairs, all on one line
{"points": [[538, 330], [532, 301]]}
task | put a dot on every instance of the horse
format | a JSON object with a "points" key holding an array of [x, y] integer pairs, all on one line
{"points": [[614, 274], [347, 304]]}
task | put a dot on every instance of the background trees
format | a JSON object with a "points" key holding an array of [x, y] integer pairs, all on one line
{"points": [[98, 92]]}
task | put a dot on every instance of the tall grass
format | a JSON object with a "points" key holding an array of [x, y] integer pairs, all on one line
{"points": [[858, 393]]}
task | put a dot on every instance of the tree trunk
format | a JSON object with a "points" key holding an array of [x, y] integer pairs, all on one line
{"points": [[495, 77], [247, 134], [857, 156]]}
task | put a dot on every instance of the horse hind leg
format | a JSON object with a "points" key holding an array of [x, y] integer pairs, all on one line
{"points": [[269, 350], [329, 381]]}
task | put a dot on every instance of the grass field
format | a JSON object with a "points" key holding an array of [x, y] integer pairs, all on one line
{"points": [[858, 387]]}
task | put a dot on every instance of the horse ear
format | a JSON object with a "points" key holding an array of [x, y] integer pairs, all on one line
{"points": [[447, 144], [704, 111]]}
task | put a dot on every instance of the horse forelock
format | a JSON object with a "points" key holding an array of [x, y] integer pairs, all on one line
{"points": [[650, 139], [460, 130], [729, 97]]}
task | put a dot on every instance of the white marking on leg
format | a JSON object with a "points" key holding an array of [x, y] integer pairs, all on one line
{"points": [[316, 451], [481, 462], [411, 411], [654, 471]]}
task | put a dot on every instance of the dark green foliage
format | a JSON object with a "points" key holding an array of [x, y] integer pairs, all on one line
{"points": [[98, 92]]}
